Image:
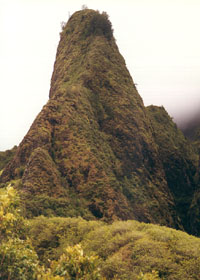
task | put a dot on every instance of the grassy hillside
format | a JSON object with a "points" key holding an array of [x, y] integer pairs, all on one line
{"points": [[126, 249], [72, 248]]}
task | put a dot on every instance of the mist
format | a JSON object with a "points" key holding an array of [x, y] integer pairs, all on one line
{"points": [[190, 121]]}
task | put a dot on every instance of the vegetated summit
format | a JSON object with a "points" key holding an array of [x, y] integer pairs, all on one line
{"points": [[94, 150]]}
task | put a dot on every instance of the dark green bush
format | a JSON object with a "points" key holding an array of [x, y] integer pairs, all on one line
{"points": [[6, 156], [99, 25]]}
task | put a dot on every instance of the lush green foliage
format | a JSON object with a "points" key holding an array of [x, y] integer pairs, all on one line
{"points": [[73, 264], [11, 222], [95, 250], [6, 156], [99, 25], [192, 131], [19, 260], [17, 257], [180, 164], [126, 250], [149, 276]]}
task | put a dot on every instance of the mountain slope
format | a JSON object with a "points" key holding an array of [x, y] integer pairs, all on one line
{"points": [[180, 163], [91, 147], [6, 156], [192, 131]]}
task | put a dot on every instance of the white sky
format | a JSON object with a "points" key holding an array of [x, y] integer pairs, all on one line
{"points": [[159, 39]]}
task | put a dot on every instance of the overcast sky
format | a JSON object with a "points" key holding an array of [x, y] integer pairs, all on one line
{"points": [[159, 39]]}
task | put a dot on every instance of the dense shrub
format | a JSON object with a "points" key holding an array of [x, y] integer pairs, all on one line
{"points": [[18, 260], [126, 250], [99, 25], [17, 257], [73, 265], [6, 156], [122, 250]]}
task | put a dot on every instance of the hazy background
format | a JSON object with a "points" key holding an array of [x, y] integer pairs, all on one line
{"points": [[159, 40]]}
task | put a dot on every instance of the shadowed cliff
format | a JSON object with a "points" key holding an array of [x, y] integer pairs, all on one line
{"points": [[180, 163]]}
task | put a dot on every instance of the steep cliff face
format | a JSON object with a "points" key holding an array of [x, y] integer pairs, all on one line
{"points": [[192, 131], [180, 163], [91, 147]]}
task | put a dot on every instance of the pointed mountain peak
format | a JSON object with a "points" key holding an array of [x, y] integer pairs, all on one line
{"points": [[87, 22], [87, 48], [93, 141]]}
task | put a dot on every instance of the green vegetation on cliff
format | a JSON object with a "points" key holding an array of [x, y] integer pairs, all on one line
{"points": [[92, 142], [180, 163], [192, 131], [6, 156], [93, 157]]}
